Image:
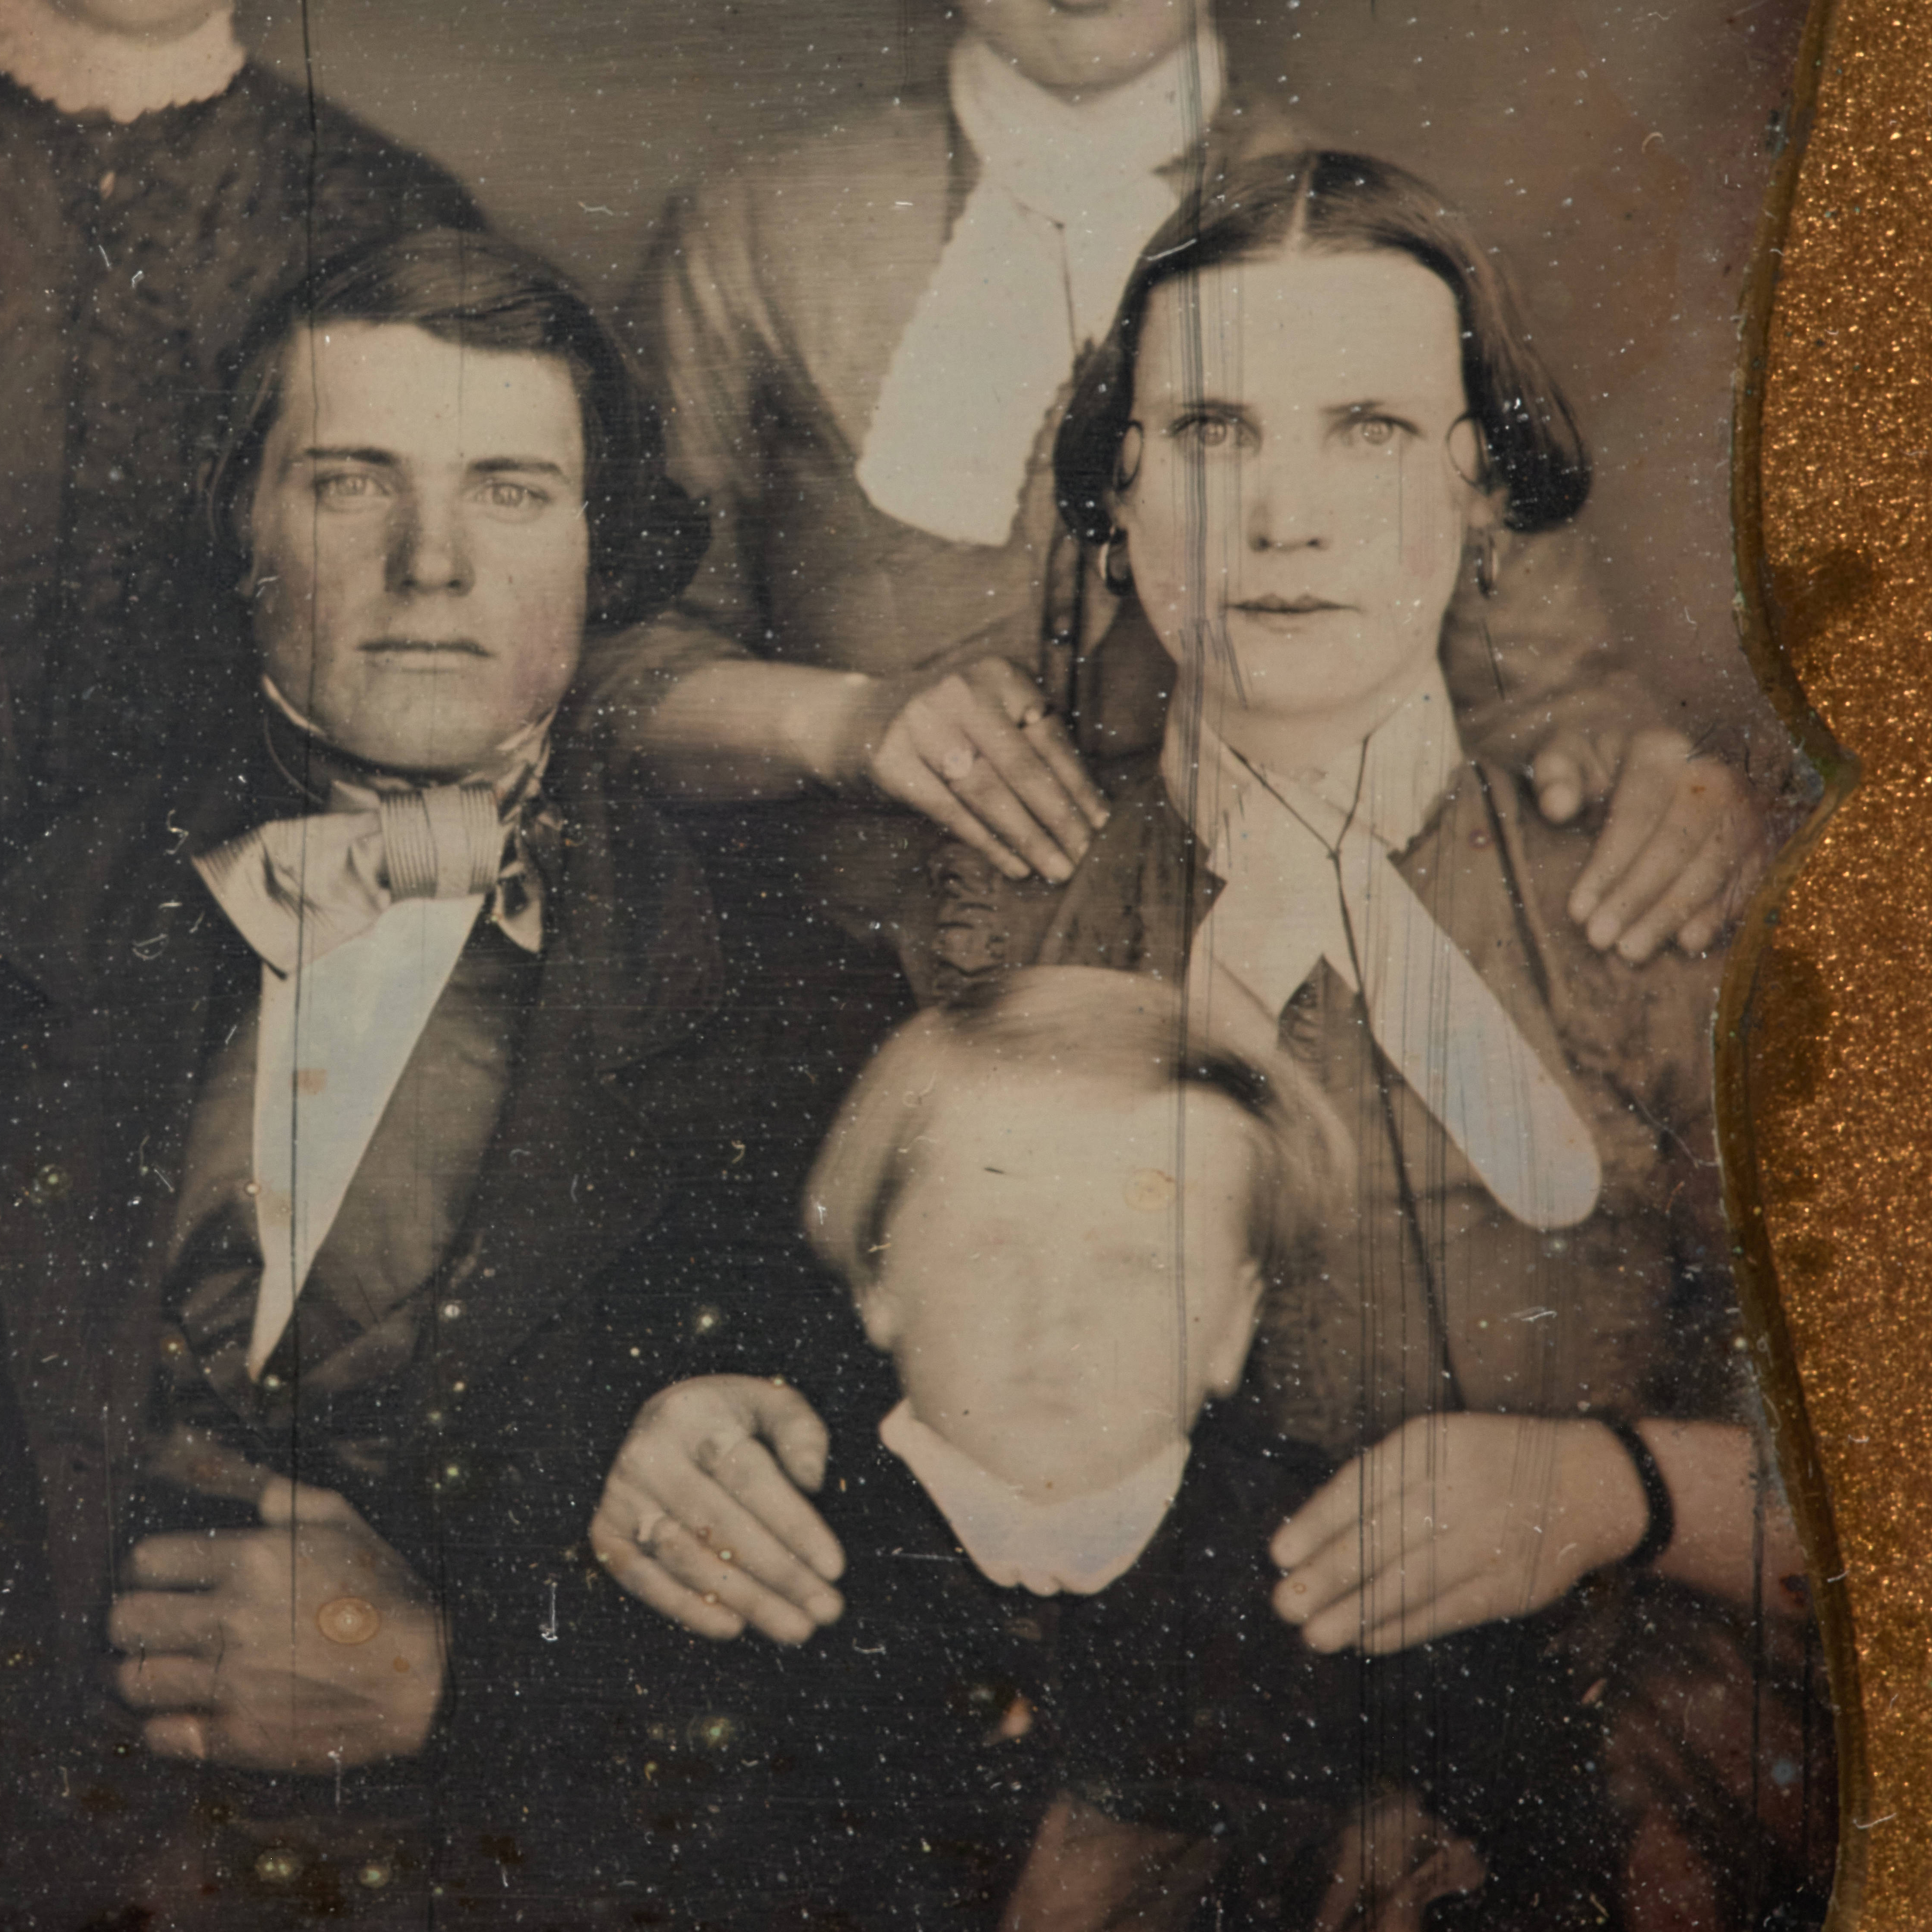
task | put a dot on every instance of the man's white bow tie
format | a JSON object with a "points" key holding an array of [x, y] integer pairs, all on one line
{"points": [[359, 914]]}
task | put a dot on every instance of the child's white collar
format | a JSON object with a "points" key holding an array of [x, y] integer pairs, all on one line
{"points": [[80, 69], [1080, 1546]]}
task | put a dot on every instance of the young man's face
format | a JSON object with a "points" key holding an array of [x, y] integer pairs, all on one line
{"points": [[1034, 1292], [1075, 45], [420, 554]]}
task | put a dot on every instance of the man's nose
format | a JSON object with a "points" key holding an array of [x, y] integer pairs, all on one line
{"points": [[430, 550]]}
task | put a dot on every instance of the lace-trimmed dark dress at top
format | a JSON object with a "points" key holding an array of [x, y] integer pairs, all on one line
{"points": [[132, 257]]}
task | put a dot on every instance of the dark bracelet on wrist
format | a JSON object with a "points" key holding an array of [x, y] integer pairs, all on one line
{"points": [[1662, 1524]]}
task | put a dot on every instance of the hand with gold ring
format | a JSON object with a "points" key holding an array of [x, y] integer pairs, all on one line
{"points": [[980, 751], [703, 1518]]}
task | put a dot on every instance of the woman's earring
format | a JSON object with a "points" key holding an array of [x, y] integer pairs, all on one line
{"points": [[1487, 580], [1116, 572]]}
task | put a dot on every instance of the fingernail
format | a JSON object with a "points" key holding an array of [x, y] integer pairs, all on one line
{"points": [[824, 1606], [1057, 869]]}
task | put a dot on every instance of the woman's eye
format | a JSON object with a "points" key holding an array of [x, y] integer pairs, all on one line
{"points": [[1204, 432], [1374, 432]]}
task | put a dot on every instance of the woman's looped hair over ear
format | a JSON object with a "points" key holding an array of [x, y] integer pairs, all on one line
{"points": [[646, 536], [1123, 1031], [1331, 203]]}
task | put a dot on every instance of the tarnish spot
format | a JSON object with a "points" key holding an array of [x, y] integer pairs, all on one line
{"points": [[348, 1620]]}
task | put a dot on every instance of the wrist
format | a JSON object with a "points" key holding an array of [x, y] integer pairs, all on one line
{"points": [[834, 726], [1655, 1517]]}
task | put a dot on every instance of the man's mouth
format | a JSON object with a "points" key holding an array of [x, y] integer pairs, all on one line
{"points": [[432, 647]]}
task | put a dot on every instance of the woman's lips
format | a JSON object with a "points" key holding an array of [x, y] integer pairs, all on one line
{"points": [[1282, 613]]}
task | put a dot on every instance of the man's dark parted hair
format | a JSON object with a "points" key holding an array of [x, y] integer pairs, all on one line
{"points": [[646, 536], [1331, 203]]}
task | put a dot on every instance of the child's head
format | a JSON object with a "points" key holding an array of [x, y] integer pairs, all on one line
{"points": [[1058, 1217], [1317, 386]]}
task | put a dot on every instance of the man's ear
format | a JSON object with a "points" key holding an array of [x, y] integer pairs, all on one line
{"points": [[1234, 1334], [878, 1306], [239, 536]]}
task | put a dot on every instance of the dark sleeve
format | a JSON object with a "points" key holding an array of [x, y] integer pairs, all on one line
{"points": [[982, 922], [1541, 654], [366, 188], [701, 325]]}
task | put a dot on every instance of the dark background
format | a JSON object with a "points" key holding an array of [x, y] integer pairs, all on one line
{"points": [[1617, 152]]}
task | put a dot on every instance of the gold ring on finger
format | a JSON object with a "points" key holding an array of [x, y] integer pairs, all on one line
{"points": [[646, 1533]]}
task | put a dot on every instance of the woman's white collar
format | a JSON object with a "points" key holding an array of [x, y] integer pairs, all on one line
{"points": [[82, 70]]}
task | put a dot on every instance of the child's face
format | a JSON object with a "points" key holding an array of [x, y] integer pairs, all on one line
{"points": [[1294, 485], [1033, 1293]]}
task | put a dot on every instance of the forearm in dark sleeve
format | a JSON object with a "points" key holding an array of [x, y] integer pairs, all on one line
{"points": [[1541, 655], [698, 325]]}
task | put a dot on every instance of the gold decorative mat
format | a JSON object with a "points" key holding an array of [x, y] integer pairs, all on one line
{"points": [[1827, 1056]]}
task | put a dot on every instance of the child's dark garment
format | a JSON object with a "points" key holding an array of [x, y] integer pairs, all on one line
{"points": [[892, 1771]]}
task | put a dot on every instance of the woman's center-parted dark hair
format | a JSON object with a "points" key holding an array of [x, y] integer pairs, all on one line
{"points": [[1329, 203], [646, 535], [1122, 1032]]}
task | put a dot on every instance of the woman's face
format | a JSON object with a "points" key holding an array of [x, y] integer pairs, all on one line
{"points": [[148, 20], [1081, 46], [1294, 483]]}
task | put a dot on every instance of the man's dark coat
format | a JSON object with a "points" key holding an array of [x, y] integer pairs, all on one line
{"points": [[636, 1222]]}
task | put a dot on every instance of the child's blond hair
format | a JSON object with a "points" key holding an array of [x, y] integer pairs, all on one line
{"points": [[1119, 1029]]}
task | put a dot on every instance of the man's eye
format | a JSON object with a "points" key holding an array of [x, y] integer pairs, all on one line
{"points": [[501, 492], [346, 487]]}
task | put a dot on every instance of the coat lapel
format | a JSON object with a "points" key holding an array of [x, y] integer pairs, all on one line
{"points": [[609, 1100]]}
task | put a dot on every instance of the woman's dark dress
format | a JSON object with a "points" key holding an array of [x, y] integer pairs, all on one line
{"points": [[132, 257], [1717, 1735]]}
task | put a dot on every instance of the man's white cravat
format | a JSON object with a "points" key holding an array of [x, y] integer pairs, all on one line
{"points": [[334, 1036], [1307, 872], [1069, 193], [1081, 1545], [354, 956]]}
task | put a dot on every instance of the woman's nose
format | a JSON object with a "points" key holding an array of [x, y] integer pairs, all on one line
{"points": [[431, 550], [1283, 507]]}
